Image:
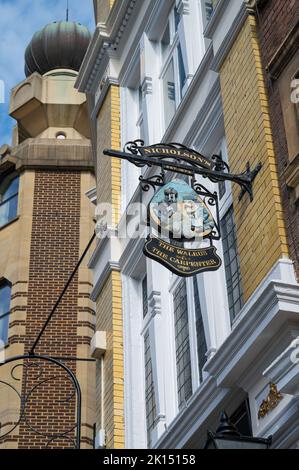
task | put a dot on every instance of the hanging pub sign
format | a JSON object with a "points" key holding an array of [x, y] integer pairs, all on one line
{"points": [[179, 214], [183, 218]]}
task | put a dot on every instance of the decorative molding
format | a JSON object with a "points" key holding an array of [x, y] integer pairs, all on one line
{"points": [[92, 195], [193, 416], [270, 402], [107, 38], [203, 68], [284, 54], [273, 303], [209, 111], [123, 25], [154, 302], [291, 175], [284, 370], [229, 38], [183, 7], [107, 82], [131, 256], [147, 86], [109, 267], [215, 18]]}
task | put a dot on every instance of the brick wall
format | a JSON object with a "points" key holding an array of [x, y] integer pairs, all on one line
{"points": [[109, 169], [109, 319], [54, 253], [109, 301], [260, 225], [276, 18]]}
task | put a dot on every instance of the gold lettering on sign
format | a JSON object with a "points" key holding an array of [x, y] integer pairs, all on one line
{"points": [[178, 153]]}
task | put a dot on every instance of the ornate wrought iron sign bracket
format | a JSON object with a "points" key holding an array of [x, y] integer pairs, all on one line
{"points": [[180, 212], [179, 159]]}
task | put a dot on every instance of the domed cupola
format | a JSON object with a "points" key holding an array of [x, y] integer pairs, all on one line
{"points": [[59, 45]]}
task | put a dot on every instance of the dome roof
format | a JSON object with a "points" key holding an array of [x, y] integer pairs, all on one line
{"points": [[60, 44]]}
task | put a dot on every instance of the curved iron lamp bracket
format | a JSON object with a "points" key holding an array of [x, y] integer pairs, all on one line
{"points": [[27, 362]]}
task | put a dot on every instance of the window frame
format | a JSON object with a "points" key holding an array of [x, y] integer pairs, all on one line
{"points": [[172, 55], [232, 313], [5, 184], [193, 342], [149, 391], [5, 283]]}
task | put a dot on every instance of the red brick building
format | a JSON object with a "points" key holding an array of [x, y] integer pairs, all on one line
{"points": [[278, 23]]}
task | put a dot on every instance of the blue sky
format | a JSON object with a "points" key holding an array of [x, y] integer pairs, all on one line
{"points": [[19, 20]]}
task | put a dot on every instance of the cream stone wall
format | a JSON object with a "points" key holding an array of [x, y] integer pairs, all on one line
{"points": [[85, 371], [15, 240]]}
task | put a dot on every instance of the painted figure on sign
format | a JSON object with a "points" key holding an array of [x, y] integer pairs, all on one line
{"points": [[178, 210]]}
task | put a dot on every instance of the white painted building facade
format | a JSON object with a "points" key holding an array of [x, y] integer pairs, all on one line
{"points": [[192, 346]]}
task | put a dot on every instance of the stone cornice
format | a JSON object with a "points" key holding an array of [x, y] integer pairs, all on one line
{"points": [[51, 153], [193, 416], [107, 82], [106, 37], [213, 100], [131, 255], [275, 303], [108, 269]]}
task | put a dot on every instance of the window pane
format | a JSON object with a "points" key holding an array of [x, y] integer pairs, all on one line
{"points": [[182, 71], [5, 297], [9, 202], [200, 332], [183, 360], [144, 297], [177, 18], [151, 411], [165, 41], [169, 93], [12, 189], [140, 99], [231, 262], [8, 210]]}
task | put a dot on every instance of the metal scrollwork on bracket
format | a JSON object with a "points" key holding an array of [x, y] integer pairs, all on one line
{"points": [[152, 181], [178, 211], [37, 376], [178, 158]]}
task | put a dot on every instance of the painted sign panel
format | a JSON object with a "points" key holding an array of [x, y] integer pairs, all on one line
{"points": [[177, 210], [181, 261]]}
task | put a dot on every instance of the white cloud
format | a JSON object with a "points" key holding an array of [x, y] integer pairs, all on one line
{"points": [[19, 20]]}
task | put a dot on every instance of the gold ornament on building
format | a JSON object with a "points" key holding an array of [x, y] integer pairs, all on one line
{"points": [[271, 402]]}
